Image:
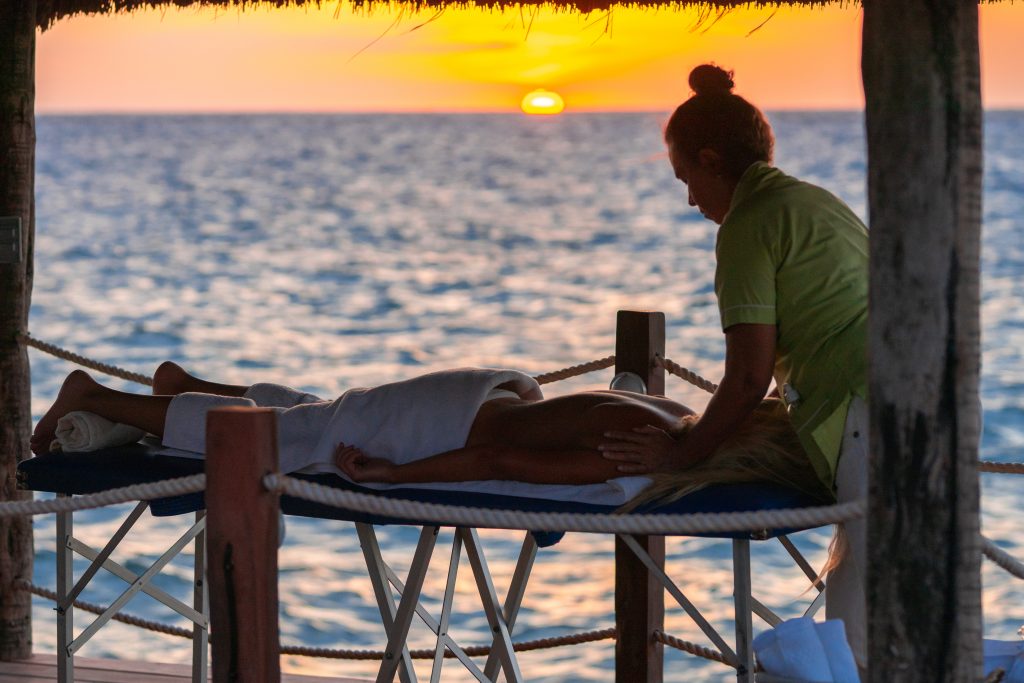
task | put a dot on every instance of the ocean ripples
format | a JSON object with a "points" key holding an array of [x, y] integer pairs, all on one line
{"points": [[329, 252]]}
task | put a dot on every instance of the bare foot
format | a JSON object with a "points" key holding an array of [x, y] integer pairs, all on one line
{"points": [[77, 386], [170, 379]]}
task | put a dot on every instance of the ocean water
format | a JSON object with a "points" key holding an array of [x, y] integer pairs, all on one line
{"points": [[328, 252]]}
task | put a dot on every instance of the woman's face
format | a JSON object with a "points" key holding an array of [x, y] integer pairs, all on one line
{"points": [[707, 188]]}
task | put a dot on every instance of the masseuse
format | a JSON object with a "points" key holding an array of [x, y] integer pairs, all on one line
{"points": [[791, 281]]}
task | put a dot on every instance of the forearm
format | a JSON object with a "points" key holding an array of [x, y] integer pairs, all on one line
{"points": [[471, 463], [749, 361], [732, 403], [498, 461]]}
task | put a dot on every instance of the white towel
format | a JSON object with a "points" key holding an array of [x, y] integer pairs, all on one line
{"points": [[832, 634], [80, 431], [185, 423]]}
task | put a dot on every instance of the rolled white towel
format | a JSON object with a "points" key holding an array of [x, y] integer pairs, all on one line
{"points": [[80, 431]]}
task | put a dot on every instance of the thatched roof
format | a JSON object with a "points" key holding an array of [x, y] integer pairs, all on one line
{"points": [[50, 11]]}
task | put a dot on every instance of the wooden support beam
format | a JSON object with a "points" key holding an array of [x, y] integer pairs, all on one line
{"points": [[242, 539], [17, 215], [639, 598], [923, 115]]}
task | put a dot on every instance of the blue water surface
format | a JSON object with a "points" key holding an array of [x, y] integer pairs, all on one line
{"points": [[328, 252]]}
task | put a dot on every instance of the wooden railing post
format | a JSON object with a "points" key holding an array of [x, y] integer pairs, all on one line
{"points": [[17, 230], [639, 598], [923, 119], [242, 539]]}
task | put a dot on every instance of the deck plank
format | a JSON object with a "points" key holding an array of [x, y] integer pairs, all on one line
{"points": [[42, 668]]}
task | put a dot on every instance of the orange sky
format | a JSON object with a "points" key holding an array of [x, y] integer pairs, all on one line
{"points": [[468, 60]]}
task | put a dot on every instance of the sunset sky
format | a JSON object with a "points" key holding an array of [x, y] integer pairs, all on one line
{"points": [[331, 59]]}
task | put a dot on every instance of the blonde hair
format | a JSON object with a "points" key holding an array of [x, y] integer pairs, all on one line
{"points": [[764, 448]]}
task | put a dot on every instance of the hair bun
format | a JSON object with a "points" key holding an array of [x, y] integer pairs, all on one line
{"points": [[708, 79]]}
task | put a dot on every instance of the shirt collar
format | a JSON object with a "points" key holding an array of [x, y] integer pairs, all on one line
{"points": [[751, 181]]}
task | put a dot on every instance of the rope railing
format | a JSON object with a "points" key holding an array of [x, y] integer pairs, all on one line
{"points": [[705, 522], [471, 651], [1002, 558], [1001, 467], [673, 368], [166, 488], [692, 648], [575, 370], [114, 371], [78, 359], [320, 652], [129, 619]]}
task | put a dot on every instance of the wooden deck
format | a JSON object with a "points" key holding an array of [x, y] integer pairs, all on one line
{"points": [[43, 668]]}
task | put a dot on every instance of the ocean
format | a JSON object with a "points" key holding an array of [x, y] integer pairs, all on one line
{"points": [[336, 251]]}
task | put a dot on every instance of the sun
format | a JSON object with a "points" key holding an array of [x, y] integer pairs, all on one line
{"points": [[542, 101]]}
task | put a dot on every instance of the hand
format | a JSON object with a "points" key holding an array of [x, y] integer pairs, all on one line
{"points": [[644, 450], [360, 467]]}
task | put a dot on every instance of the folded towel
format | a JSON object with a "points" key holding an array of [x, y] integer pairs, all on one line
{"points": [[80, 431], [794, 650], [808, 652]]}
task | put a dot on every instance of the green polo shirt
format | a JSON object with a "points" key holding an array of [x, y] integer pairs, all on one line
{"points": [[791, 254]]}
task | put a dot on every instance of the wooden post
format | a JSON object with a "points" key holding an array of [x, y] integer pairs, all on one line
{"points": [[17, 212], [921, 80], [639, 598], [242, 539]]}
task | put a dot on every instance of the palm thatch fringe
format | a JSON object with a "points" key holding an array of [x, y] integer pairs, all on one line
{"points": [[51, 11]]}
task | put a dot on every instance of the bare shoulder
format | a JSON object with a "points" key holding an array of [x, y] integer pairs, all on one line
{"points": [[624, 411]]}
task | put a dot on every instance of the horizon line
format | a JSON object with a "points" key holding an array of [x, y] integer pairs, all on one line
{"points": [[428, 112]]}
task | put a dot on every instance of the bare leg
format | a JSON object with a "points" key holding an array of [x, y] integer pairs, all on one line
{"points": [[170, 379], [82, 392]]}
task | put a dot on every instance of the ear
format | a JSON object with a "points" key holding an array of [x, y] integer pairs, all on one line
{"points": [[710, 161]]}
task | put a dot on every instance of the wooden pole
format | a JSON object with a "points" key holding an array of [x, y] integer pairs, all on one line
{"points": [[639, 598], [17, 215], [921, 81], [242, 539]]}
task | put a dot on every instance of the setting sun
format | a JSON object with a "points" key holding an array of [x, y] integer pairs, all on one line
{"points": [[542, 102]]}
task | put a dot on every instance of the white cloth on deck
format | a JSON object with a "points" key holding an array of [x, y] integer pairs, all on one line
{"points": [[402, 422], [81, 431], [803, 650]]}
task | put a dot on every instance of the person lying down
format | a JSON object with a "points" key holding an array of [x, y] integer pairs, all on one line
{"points": [[466, 424]]}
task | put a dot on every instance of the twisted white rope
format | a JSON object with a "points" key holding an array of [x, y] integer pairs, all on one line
{"points": [[97, 609], [471, 651], [1002, 558], [692, 648], [690, 376], [576, 370], [96, 365], [157, 489], [668, 364], [566, 521], [326, 653]]}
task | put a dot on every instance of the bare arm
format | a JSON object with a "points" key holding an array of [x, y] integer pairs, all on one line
{"points": [[749, 362], [480, 463]]}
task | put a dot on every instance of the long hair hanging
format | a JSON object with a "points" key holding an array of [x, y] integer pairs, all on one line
{"points": [[764, 448]]}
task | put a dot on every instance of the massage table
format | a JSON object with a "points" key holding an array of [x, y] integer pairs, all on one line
{"points": [[83, 473]]}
